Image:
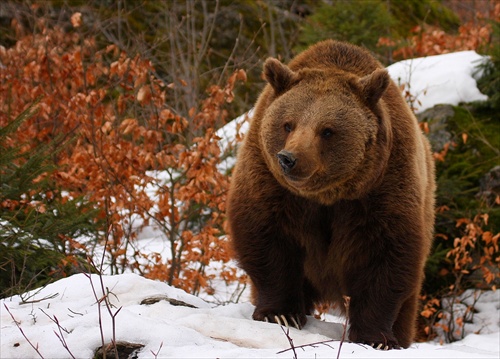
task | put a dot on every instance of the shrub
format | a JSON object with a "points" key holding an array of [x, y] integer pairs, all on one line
{"points": [[137, 160]]}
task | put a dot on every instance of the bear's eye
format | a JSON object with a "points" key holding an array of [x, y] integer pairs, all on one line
{"points": [[287, 127], [327, 133]]}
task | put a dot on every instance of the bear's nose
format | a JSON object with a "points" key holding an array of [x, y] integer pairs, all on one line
{"points": [[286, 160]]}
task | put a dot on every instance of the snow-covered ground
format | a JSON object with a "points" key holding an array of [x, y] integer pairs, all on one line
{"points": [[66, 312], [180, 331]]}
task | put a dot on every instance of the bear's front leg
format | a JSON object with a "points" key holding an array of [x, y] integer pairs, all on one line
{"points": [[273, 261], [276, 271], [377, 298]]}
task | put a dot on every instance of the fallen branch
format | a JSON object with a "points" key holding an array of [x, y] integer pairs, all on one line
{"points": [[52, 296]]}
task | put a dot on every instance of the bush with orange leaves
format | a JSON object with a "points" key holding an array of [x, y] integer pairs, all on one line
{"points": [[476, 243], [130, 153], [430, 40], [474, 262]]}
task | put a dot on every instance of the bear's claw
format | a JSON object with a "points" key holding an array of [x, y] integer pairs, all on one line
{"points": [[382, 346], [284, 320], [296, 323]]}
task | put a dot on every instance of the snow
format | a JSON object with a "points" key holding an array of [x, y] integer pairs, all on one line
{"points": [[228, 134], [226, 331], [442, 79], [207, 331]]}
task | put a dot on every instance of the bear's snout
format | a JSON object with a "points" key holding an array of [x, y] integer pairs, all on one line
{"points": [[286, 160]]}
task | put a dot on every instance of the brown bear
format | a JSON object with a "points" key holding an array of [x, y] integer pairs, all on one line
{"points": [[333, 195]]}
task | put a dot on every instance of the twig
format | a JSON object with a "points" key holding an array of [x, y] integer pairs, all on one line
{"points": [[313, 345], [347, 301], [56, 321], [75, 313], [52, 296], [63, 342], [105, 298], [158, 352], [22, 332], [290, 340], [89, 276], [60, 336], [108, 305]]}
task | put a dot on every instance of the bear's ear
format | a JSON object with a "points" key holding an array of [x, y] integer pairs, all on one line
{"points": [[374, 85], [279, 76]]}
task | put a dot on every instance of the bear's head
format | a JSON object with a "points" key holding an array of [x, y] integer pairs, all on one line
{"points": [[325, 133]]}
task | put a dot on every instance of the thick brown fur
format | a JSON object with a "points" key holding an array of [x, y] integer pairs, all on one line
{"points": [[333, 194]]}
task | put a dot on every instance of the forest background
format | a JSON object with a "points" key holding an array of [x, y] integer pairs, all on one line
{"points": [[108, 119]]}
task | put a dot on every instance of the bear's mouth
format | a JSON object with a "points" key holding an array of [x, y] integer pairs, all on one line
{"points": [[296, 181], [293, 178]]}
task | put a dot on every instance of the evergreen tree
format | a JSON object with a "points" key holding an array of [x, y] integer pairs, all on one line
{"points": [[358, 22], [39, 223]]}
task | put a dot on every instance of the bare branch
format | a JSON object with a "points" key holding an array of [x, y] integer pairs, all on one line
{"points": [[347, 302], [290, 340], [22, 332]]}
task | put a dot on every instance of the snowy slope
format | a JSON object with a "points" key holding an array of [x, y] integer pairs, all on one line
{"points": [[442, 79], [178, 331]]}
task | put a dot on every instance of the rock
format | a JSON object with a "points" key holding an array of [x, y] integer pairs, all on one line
{"points": [[437, 118], [172, 301], [125, 350], [489, 187]]}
